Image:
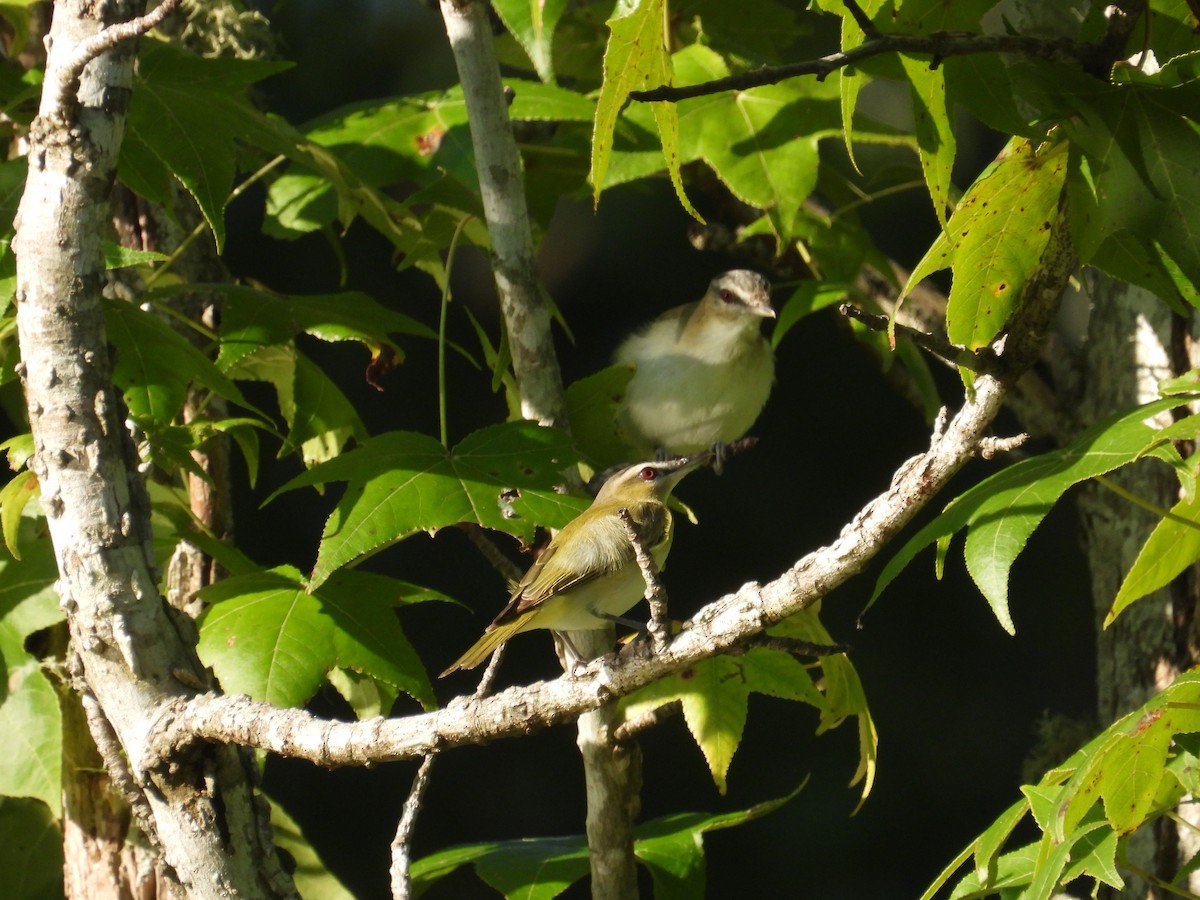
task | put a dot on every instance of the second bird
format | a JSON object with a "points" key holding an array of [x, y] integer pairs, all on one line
{"points": [[704, 370]]}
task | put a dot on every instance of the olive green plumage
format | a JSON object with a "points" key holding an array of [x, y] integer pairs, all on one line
{"points": [[588, 575]]}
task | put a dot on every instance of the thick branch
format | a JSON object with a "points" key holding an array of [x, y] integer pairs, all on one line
{"points": [[939, 45], [716, 628]]}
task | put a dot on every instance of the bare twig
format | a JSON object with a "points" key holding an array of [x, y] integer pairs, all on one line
{"points": [[656, 594], [631, 728], [990, 446], [860, 16], [985, 362], [506, 567], [401, 861], [939, 45], [725, 623]]}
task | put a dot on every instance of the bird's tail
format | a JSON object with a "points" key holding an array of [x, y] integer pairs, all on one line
{"points": [[484, 647]]}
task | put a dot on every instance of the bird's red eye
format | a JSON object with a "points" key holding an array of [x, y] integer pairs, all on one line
{"points": [[726, 294], [649, 473]]}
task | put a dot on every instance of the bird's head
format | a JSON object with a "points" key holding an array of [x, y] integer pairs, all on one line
{"points": [[649, 481], [738, 293]]}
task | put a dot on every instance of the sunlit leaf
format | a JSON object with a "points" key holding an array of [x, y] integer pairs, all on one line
{"points": [[402, 483], [155, 364], [532, 23], [1172, 547], [273, 636], [1004, 509], [995, 239]]}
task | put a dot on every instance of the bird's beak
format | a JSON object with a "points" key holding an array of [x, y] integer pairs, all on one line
{"points": [[681, 465], [763, 309]]}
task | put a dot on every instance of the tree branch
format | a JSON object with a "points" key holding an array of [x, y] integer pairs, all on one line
{"points": [[718, 627], [939, 45], [656, 594], [401, 861], [59, 91]]}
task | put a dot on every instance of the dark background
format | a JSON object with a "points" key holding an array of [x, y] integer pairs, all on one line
{"points": [[956, 701]]}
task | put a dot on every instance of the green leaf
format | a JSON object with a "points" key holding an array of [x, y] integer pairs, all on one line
{"points": [[532, 23], [714, 698], [502, 477], [185, 117], [533, 868], [843, 692], [14, 496], [1134, 184], [671, 847], [592, 405], [28, 602], [31, 764], [715, 703], [118, 257], [12, 185], [1004, 509], [31, 855], [806, 299], [155, 365], [320, 419], [313, 879], [995, 239], [1171, 548], [275, 637], [936, 143], [254, 317], [636, 58], [762, 143], [754, 32]]}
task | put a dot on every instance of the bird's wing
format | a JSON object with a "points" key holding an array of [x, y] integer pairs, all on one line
{"points": [[611, 551]]}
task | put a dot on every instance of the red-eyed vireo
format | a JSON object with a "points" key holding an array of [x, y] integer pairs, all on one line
{"points": [[588, 576], [704, 370]]}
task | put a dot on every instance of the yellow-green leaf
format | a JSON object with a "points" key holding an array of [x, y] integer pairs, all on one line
{"points": [[995, 239]]}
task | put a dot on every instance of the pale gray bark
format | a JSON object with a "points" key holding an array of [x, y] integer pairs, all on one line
{"points": [[612, 798], [128, 658]]}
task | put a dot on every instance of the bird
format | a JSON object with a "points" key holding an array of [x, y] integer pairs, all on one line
{"points": [[703, 371], [588, 575]]}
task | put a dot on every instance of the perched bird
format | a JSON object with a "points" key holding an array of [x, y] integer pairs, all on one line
{"points": [[704, 370], [588, 576]]}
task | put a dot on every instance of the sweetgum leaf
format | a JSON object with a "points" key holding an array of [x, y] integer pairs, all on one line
{"points": [[274, 636], [532, 23], [185, 117], [502, 477]]}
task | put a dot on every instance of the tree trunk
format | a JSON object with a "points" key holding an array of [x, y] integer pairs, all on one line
{"points": [[127, 658]]}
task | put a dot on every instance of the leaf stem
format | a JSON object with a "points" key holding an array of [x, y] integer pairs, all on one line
{"points": [[1145, 504], [240, 189], [450, 253]]}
